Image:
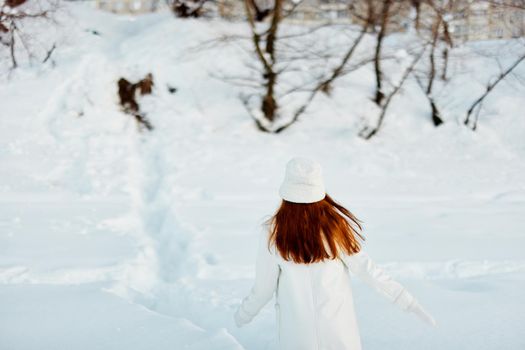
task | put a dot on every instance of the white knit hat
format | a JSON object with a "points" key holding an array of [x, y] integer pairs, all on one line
{"points": [[303, 181]]}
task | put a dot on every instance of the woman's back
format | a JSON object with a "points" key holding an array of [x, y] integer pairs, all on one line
{"points": [[314, 306], [305, 259]]}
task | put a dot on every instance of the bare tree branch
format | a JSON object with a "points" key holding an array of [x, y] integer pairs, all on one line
{"points": [[367, 133], [476, 106], [12, 14]]}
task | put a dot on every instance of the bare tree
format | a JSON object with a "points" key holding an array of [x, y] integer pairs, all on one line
{"points": [[437, 33], [368, 132], [384, 17], [498, 7], [13, 15], [436, 115], [472, 117], [416, 5], [447, 10], [325, 85], [384, 20], [278, 55], [261, 10], [265, 53]]}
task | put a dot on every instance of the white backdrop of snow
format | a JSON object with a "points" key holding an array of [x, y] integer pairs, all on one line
{"points": [[110, 239]]}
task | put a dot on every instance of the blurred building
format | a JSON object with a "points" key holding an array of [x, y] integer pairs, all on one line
{"points": [[469, 20], [129, 6], [399, 14], [319, 10], [333, 11], [296, 11], [482, 20]]}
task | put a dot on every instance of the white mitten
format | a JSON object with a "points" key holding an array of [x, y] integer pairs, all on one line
{"points": [[240, 317], [237, 319], [422, 314]]}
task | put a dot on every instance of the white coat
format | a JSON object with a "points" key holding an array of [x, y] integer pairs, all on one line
{"points": [[314, 304]]}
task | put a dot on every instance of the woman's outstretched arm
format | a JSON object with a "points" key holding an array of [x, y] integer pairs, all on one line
{"points": [[266, 277], [363, 267]]}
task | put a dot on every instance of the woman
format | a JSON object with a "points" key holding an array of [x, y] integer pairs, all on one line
{"points": [[304, 259]]}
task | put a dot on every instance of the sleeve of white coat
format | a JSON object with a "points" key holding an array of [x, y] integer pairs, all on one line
{"points": [[363, 267], [266, 276]]}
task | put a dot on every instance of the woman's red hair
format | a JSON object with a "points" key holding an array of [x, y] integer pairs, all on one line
{"points": [[303, 232]]}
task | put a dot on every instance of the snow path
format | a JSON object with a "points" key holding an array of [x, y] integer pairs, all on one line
{"points": [[140, 221]]}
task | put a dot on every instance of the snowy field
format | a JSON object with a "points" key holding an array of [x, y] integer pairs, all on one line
{"points": [[113, 239]]}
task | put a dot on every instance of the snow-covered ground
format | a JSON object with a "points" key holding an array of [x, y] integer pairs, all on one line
{"points": [[112, 239]]}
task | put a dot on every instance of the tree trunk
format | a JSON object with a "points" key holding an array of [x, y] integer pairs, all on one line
{"points": [[266, 56], [417, 6], [269, 105], [436, 117], [445, 64], [12, 46], [385, 14]]}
